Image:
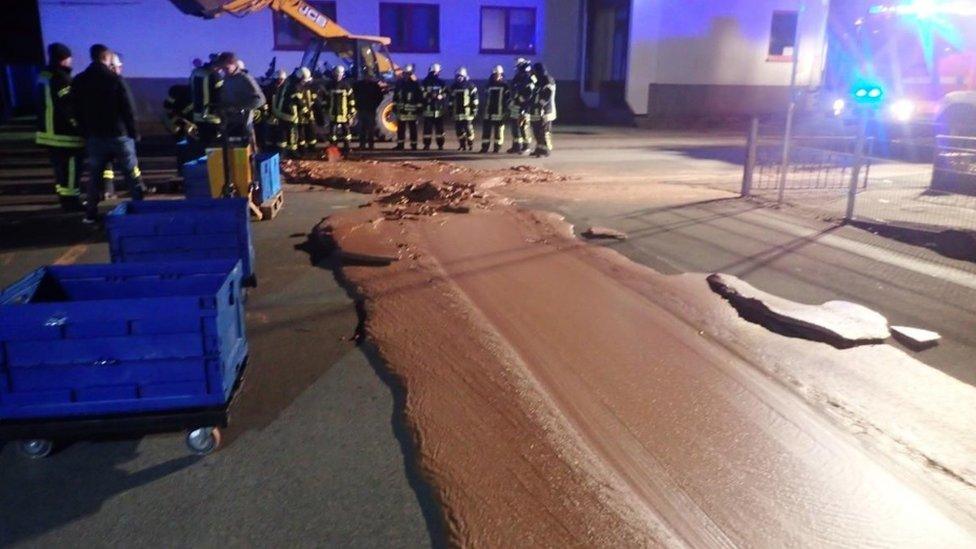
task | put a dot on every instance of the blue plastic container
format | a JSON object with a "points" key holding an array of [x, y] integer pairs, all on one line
{"points": [[269, 176], [196, 181], [179, 230], [92, 340]]}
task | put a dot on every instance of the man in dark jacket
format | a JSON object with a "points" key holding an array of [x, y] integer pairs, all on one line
{"points": [[103, 106], [368, 95], [57, 127]]}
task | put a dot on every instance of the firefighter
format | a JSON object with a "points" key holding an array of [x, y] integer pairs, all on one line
{"points": [[434, 94], [341, 109], [542, 111], [178, 107], [464, 107], [496, 105], [520, 96], [368, 94], [265, 122], [285, 108], [408, 100], [57, 128], [205, 84], [307, 109]]}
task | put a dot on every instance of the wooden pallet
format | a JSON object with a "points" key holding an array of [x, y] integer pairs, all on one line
{"points": [[270, 208]]}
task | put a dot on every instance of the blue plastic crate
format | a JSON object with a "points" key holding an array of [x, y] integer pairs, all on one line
{"points": [[83, 340], [196, 180], [174, 230], [269, 176]]}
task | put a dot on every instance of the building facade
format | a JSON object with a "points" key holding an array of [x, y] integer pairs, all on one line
{"points": [[653, 58]]}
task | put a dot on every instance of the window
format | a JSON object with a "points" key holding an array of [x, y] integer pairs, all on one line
{"points": [[507, 30], [290, 35], [412, 28], [782, 37]]}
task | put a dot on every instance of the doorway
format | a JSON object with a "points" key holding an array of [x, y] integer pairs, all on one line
{"points": [[607, 29]]}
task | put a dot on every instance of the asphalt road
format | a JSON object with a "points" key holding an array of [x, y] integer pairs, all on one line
{"points": [[315, 454]]}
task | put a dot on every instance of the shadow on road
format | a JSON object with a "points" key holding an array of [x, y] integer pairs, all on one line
{"points": [[40, 496]]}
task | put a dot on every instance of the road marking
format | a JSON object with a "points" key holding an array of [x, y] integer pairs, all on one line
{"points": [[920, 266], [71, 255]]}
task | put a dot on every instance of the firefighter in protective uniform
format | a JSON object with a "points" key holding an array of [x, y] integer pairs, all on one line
{"points": [[522, 87], [265, 122], [286, 107], [307, 119], [340, 108], [178, 107], [205, 83], [58, 130], [464, 108], [435, 93], [496, 107], [408, 101], [542, 111]]}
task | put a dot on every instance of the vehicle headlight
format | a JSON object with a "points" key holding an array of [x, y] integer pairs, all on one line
{"points": [[903, 110], [838, 106]]}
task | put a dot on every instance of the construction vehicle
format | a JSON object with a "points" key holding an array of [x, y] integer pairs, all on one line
{"points": [[362, 55]]}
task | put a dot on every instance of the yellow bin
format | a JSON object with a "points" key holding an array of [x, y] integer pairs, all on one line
{"points": [[240, 170]]}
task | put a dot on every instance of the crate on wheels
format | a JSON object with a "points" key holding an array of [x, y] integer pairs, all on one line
{"points": [[181, 230], [88, 350]]}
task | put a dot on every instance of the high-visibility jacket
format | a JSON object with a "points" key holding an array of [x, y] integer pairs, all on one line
{"points": [[339, 102], [56, 127], [288, 101], [464, 100], [435, 92], [408, 99], [496, 100], [307, 103], [543, 105], [205, 84]]}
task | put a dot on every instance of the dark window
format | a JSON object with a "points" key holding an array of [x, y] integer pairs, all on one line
{"points": [[507, 30], [291, 35], [412, 28], [782, 37]]}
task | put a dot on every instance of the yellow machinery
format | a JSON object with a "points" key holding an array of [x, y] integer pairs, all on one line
{"points": [[363, 55]]}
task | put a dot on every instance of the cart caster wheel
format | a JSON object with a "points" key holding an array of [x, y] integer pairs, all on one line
{"points": [[203, 441], [37, 448]]}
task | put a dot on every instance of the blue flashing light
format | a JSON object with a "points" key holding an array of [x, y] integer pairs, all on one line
{"points": [[867, 93]]}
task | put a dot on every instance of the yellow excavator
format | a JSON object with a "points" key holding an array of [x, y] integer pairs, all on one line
{"points": [[362, 55]]}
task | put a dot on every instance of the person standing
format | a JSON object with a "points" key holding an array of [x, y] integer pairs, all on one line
{"points": [[542, 112], [106, 117], [341, 109], [205, 84], [368, 95], [434, 94], [309, 115], [496, 105], [464, 107], [239, 98], [522, 88], [58, 130], [265, 123], [407, 101], [286, 106]]}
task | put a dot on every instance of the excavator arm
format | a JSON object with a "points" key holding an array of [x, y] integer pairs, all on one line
{"points": [[367, 50]]}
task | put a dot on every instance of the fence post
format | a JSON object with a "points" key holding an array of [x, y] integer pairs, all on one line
{"points": [[862, 130], [752, 145]]}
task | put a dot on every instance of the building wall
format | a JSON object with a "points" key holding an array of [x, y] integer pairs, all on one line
{"points": [[702, 56], [159, 43]]}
